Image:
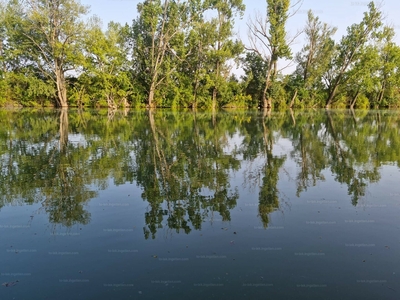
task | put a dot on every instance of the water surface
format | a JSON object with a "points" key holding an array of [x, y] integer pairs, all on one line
{"points": [[168, 205]]}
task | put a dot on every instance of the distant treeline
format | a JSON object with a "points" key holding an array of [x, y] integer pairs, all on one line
{"points": [[181, 54]]}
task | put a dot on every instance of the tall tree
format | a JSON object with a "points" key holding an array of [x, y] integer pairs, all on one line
{"points": [[223, 47], [154, 29], [106, 75], [388, 71], [268, 38], [255, 68], [349, 48], [196, 66], [313, 59], [47, 34], [362, 79]]}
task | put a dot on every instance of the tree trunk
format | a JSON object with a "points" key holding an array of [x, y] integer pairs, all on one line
{"points": [[269, 103], [164, 167], [293, 99], [63, 129], [61, 86], [336, 84], [214, 99], [266, 103], [215, 90], [354, 100], [332, 95], [214, 118], [381, 93], [110, 101], [353, 115], [125, 103], [3, 65], [111, 113], [266, 113], [196, 86], [292, 115], [151, 95]]}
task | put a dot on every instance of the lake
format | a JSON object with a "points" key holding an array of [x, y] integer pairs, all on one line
{"points": [[182, 205]]}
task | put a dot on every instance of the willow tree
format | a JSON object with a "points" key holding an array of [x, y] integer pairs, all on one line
{"points": [[47, 35]]}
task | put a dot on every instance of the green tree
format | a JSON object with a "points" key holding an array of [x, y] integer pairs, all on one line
{"points": [[153, 32], [47, 36], [361, 79], [314, 58], [223, 47], [260, 133], [348, 50], [197, 65], [255, 68], [388, 75], [105, 79], [345, 162], [268, 38]]}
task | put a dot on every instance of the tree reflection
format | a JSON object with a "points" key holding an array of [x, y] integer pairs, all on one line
{"points": [[183, 170], [184, 162], [342, 142], [45, 172], [260, 137], [344, 164], [63, 130], [64, 188], [308, 150]]}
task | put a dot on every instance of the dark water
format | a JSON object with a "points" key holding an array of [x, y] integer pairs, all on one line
{"points": [[161, 205]]}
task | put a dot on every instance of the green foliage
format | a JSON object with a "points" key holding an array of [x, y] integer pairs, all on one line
{"points": [[350, 49], [46, 36], [255, 68], [182, 53], [278, 94], [362, 102], [313, 61], [277, 15], [105, 80], [27, 90], [3, 92], [268, 39]]}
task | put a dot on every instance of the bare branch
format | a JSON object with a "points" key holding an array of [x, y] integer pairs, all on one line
{"points": [[299, 3]]}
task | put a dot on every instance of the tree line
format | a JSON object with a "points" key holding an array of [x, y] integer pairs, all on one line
{"points": [[181, 54]]}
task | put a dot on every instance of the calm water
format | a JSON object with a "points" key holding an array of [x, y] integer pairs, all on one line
{"points": [[162, 205]]}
